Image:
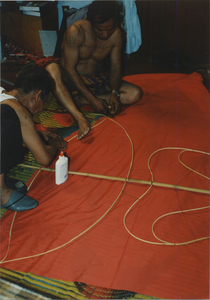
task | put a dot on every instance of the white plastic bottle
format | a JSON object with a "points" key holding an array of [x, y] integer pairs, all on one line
{"points": [[61, 169]]}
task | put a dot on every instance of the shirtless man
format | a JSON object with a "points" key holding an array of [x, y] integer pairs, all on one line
{"points": [[85, 46], [30, 91]]}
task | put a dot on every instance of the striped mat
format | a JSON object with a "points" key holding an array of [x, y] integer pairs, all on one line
{"points": [[19, 285]]}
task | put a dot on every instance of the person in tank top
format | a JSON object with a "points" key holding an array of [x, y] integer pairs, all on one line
{"points": [[18, 106]]}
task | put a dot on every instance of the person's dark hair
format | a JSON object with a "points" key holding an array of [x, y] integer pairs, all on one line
{"points": [[33, 78], [104, 10]]}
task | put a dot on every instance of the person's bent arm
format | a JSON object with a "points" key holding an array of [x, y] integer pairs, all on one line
{"points": [[73, 39], [43, 153]]}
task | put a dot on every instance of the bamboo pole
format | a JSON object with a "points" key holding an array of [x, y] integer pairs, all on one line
{"points": [[139, 181]]}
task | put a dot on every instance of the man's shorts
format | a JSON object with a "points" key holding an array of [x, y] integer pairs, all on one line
{"points": [[97, 84]]}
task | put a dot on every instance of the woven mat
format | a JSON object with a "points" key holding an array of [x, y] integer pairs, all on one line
{"points": [[19, 285]]}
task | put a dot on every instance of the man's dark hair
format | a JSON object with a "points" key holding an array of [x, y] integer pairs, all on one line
{"points": [[33, 78], [104, 10]]}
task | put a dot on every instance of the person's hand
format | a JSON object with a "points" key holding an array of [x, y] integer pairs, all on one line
{"points": [[115, 104], [57, 141], [99, 105], [47, 135], [63, 145]]}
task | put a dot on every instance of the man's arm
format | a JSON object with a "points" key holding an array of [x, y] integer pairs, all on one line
{"points": [[115, 72], [73, 39], [44, 154]]}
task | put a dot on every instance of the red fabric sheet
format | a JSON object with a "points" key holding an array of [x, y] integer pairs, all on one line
{"points": [[63, 119], [174, 112]]}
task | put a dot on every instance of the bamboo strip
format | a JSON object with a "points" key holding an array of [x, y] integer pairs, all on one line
{"points": [[139, 181]]}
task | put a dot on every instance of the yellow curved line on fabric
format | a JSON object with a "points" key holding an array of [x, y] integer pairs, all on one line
{"points": [[178, 212], [124, 219], [90, 227], [189, 167], [196, 209]]}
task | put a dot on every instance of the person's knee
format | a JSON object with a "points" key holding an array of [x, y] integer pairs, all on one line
{"points": [[136, 95]]}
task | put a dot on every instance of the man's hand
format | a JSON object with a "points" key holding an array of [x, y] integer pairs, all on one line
{"points": [[47, 135], [115, 104], [53, 139], [99, 105], [63, 144], [58, 142]]}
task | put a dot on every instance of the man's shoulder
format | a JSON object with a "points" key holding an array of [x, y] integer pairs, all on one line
{"points": [[117, 36], [77, 29], [79, 26], [77, 32]]}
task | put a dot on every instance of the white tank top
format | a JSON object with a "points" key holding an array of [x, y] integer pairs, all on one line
{"points": [[4, 96]]}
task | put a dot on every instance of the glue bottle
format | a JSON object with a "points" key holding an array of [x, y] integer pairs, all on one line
{"points": [[61, 169]]}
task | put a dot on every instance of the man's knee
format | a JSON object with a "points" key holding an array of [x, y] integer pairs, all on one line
{"points": [[136, 95]]}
